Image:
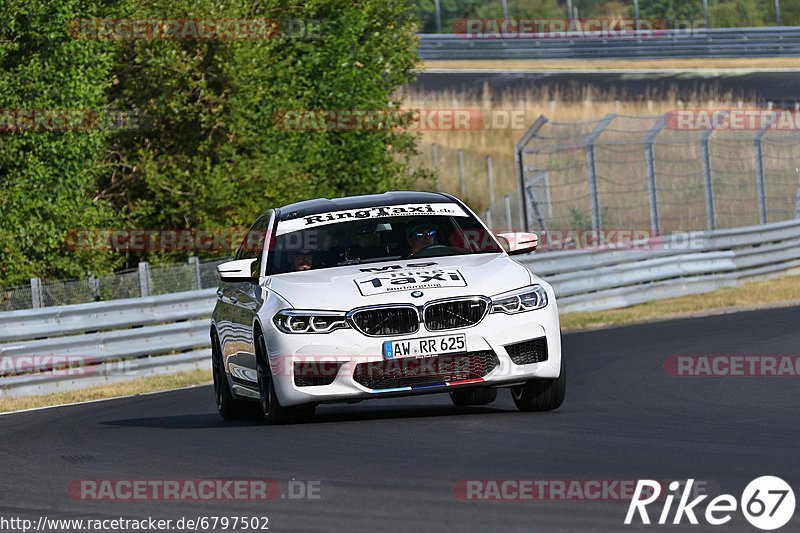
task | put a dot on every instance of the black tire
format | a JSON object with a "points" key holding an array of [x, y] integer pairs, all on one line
{"points": [[271, 409], [229, 407], [541, 394], [481, 396]]}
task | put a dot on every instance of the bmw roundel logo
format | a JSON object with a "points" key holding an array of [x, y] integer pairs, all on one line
{"points": [[416, 294]]}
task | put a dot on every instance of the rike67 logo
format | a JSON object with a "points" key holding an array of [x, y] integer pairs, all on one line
{"points": [[767, 503]]}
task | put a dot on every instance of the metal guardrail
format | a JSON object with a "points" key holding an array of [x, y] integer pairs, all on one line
{"points": [[123, 339], [644, 271], [667, 44], [73, 346], [114, 314]]}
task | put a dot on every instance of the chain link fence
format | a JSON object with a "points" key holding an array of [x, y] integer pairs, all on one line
{"points": [[627, 172], [134, 283], [483, 182]]}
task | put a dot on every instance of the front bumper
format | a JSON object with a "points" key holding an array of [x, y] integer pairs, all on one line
{"points": [[346, 348]]}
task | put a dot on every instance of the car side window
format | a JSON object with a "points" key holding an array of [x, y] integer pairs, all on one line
{"points": [[253, 242], [261, 235]]}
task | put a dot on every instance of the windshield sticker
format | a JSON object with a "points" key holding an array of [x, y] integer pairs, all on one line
{"points": [[323, 219], [397, 267], [409, 280]]}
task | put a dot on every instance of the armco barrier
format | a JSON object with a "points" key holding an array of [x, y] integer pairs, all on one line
{"points": [[113, 314], [593, 280], [122, 339], [670, 44], [169, 333]]}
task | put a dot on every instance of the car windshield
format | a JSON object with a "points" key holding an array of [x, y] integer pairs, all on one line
{"points": [[377, 234]]}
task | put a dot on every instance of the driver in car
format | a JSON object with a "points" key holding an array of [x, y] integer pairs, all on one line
{"points": [[299, 261], [420, 237]]}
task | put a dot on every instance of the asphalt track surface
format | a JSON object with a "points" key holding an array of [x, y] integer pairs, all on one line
{"points": [[392, 464], [779, 87]]}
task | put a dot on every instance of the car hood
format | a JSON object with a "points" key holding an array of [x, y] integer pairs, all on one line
{"points": [[346, 287]]}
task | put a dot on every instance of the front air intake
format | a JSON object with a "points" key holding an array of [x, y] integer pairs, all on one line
{"points": [[315, 373], [527, 352], [413, 371]]}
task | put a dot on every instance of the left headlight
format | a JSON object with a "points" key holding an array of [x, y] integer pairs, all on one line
{"points": [[299, 321], [520, 300]]}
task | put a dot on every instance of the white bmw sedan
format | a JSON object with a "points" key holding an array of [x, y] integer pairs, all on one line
{"points": [[395, 294]]}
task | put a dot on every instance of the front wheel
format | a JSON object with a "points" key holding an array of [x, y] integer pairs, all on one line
{"points": [[271, 409], [229, 408], [541, 394]]}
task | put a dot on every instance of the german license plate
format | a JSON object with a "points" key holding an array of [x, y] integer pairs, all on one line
{"points": [[425, 346]]}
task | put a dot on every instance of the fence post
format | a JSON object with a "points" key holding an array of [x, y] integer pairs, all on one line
{"points": [[649, 156], [507, 204], [144, 278], [707, 178], [797, 196], [487, 217], [519, 165], [461, 177], [435, 164], [760, 186], [94, 286], [37, 297], [594, 193], [194, 265], [490, 177], [438, 8]]}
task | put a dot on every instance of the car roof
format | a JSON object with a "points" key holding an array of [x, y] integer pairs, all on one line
{"points": [[327, 205]]}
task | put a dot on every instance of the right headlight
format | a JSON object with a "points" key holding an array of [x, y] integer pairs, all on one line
{"points": [[520, 300], [297, 321]]}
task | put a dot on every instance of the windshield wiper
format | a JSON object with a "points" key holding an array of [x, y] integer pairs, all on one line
{"points": [[359, 261]]}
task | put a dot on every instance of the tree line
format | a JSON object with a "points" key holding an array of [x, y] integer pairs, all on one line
{"points": [[105, 124]]}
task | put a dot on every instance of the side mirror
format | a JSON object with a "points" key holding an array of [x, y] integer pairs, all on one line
{"points": [[236, 271], [517, 243]]}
